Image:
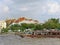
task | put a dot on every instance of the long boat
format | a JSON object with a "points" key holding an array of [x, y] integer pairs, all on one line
{"points": [[45, 34]]}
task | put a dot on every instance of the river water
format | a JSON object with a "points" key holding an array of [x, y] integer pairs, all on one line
{"points": [[16, 40]]}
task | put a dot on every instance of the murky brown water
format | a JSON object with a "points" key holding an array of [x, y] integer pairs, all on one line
{"points": [[16, 40]]}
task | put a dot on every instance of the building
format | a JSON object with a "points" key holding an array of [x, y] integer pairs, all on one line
{"points": [[25, 20], [21, 20], [2, 25]]}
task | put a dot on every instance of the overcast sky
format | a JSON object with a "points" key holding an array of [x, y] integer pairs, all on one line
{"points": [[35, 9]]}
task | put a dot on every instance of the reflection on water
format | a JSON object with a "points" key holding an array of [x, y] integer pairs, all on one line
{"points": [[16, 40]]}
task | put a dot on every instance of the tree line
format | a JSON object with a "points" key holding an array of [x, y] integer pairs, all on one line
{"points": [[50, 24]]}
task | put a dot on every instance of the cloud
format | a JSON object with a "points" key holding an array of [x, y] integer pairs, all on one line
{"points": [[23, 8], [7, 1], [53, 7], [38, 9], [5, 9], [5, 6]]}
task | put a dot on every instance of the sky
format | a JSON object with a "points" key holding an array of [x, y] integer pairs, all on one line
{"points": [[41, 10]]}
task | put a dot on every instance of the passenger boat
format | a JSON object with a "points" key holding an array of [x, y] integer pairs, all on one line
{"points": [[39, 34]]}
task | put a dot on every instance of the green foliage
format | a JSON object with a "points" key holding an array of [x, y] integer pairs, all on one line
{"points": [[51, 24], [54, 20], [38, 27], [27, 26], [14, 27], [4, 30], [58, 26], [24, 26]]}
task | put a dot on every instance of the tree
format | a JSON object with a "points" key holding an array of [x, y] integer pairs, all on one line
{"points": [[54, 20], [58, 26], [24, 25], [27, 26], [38, 27], [15, 27], [51, 23], [4, 30]]}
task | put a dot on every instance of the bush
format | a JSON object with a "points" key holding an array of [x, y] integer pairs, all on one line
{"points": [[4, 30]]}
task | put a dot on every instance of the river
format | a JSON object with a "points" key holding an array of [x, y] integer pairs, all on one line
{"points": [[16, 40]]}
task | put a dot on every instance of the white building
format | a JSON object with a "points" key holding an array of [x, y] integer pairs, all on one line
{"points": [[2, 24]]}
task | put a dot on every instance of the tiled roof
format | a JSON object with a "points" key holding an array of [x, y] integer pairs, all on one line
{"points": [[20, 20]]}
